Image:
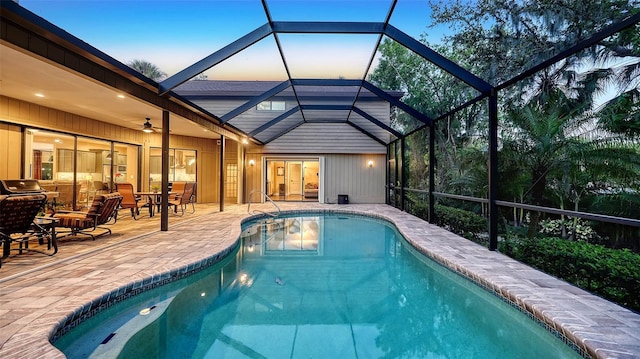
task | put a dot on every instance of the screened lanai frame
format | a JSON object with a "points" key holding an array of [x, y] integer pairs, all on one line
{"points": [[396, 151], [383, 28], [395, 141]]}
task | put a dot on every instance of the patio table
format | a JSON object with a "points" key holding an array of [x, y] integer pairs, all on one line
{"points": [[154, 199]]}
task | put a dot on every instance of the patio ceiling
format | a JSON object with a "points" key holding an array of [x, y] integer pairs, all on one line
{"points": [[300, 46]]}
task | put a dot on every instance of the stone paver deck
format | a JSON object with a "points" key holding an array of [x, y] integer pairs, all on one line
{"points": [[35, 302]]}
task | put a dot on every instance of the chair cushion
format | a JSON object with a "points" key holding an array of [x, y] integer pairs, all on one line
{"points": [[74, 220]]}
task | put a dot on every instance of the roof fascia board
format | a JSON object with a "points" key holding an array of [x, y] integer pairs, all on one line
{"points": [[326, 120], [274, 121], [394, 101], [327, 27], [326, 107], [376, 121], [215, 58], [438, 60], [284, 132], [255, 101], [325, 82]]}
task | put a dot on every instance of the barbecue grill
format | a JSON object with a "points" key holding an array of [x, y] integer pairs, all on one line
{"points": [[20, 186]]}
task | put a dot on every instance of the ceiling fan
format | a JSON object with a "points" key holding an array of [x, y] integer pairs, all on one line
{"points": [[148, 127]]}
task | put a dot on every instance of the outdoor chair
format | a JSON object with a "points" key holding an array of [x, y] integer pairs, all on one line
{"points": [[185, 195], [65, 197], [103, 210], [17, 214], [129, 199]]}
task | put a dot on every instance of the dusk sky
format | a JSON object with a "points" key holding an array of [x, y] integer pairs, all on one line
{"points": [[176, 34]]}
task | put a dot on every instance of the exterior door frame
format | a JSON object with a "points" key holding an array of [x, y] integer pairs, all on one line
{"points": [[293, 158]]}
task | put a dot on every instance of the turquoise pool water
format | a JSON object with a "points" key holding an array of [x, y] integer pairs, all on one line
{"points": [[328, 286]]}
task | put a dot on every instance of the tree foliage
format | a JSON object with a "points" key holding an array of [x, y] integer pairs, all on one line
{"points": [[569, 134], [148, 69]]}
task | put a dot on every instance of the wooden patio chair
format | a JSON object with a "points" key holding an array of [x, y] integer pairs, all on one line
{"points": [[185, 195], [129, 199], [103, 210], [17, 213]]}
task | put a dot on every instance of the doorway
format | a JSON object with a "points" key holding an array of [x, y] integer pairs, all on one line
{"points": [[292, 179]]}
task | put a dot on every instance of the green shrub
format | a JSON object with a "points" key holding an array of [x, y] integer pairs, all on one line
{"points": [[418, 209], [583, 232], [464, 223], [610, 273]]}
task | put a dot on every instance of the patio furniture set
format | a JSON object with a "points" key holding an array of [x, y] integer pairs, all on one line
{"points": [[23, 203]]}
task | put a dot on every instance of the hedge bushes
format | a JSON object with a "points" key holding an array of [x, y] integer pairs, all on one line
{"points": [[613, 274], [462, 222], [459, 221]]}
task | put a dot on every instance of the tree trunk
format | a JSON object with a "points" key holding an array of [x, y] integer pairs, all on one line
{"points": [[537, 194]]}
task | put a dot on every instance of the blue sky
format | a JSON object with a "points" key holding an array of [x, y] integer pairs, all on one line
{"points": [[175, 34]]}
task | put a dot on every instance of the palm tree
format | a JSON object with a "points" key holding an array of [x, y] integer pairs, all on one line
{"points": [[148, 69], [554, 136]]}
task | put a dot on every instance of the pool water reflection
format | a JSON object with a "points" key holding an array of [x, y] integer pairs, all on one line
{"points": [[321, 286]]}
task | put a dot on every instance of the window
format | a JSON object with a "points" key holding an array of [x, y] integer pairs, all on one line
{"points": [[271, 106], [232, 181], [182, 166]]}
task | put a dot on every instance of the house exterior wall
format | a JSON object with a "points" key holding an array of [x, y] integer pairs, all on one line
{"points": [[357, 141], [349, 174], [343, 174], [10, 158], [323, 138], [345, 149], [14, 113]]}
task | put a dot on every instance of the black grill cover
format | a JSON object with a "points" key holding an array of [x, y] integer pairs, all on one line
{"points": [[20, 186]]}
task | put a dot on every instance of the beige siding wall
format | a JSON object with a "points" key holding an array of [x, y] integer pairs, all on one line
{"points": [[16, 112], [345, 149], [350, 175], [10, 154], [347, 174], [323, 138]]}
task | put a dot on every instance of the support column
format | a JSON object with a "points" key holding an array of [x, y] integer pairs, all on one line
{"points": [[402, 173], [222, 171], [387, 175], [432, 172], [493, 170], [164, 202]]}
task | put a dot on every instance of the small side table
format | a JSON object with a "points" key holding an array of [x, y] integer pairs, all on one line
{"points": [[44, 227]]}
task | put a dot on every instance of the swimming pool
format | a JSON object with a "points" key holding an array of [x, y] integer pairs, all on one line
{"points": [[317, 286]]}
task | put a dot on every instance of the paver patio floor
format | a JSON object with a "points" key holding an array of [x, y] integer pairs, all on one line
{"points": [[37, 292]]}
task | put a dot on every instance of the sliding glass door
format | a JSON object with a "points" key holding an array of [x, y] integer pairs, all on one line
{"points": [[292, 179]]}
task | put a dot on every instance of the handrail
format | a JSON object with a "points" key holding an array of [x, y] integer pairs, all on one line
{"points": [[260, 211], [589, 216]]}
